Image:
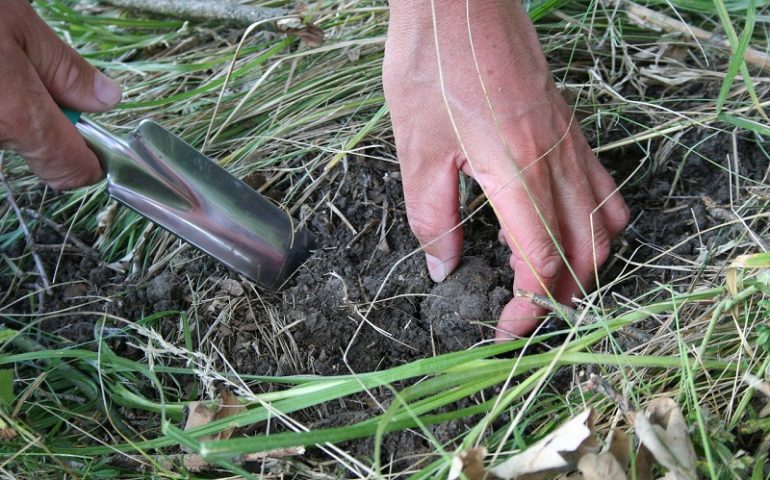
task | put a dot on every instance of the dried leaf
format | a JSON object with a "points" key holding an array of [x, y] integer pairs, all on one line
{"points": [[670, 75], [309, 32], [7, 434], [601, 467], [198, 414], [557, 452], [195, 463], [6, 431], [665, 434], [757, 384], [667, 476], [230, 405], [104, 221], [731, 280], [619, 446], [231, 287], [470, 463], [643, 464]]}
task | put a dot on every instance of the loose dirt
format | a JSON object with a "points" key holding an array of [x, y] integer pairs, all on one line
{"points": [[364, 301]]}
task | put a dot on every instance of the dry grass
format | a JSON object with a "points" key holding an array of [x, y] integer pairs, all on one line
{"points": [[649, 102]]}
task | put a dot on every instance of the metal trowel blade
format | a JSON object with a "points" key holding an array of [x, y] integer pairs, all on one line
{"points": [[171, 183]]}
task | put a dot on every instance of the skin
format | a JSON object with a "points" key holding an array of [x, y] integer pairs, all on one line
{"points": [[40, 72], [490, 110], [505, 124]]}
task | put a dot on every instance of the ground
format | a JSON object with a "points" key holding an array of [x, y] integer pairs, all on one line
{"points": [[364, 301], [367, 255]]}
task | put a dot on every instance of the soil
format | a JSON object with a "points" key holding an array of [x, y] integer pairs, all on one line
{"points": [[316, 325]]}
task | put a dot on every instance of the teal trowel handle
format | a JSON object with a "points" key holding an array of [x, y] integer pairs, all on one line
{"points": [[73, 115], [102, 142]]}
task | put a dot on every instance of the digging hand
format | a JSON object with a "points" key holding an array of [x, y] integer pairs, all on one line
{"points": [[39, 73], [476, 96]]}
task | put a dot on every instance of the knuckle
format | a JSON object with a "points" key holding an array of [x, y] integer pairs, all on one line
{"points": [[70, 179], [542, 256], [68, 75], [601, 246], [424, 226]]}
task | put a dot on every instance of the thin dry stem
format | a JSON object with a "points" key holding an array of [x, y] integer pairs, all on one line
{"points": [[23, 224]]}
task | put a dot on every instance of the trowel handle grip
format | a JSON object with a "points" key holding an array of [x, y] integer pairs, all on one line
{"points": [[102, 142], [72, 115]]}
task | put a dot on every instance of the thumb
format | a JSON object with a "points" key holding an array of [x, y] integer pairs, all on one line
{"points": [[71, 81]]}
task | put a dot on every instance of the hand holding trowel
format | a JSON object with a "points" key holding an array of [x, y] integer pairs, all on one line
{"points": [[150, 170], [167, 181]]}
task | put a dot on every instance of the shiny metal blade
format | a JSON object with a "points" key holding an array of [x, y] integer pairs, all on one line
{"points": [[166, 180]]}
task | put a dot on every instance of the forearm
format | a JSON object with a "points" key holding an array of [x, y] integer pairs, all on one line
{"points": [[487, 39]]}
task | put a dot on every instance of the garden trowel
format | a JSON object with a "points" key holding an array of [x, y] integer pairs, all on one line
{"points": [[169, 182]]}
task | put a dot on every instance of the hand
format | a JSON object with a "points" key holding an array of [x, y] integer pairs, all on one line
{"points": [[504, 123], [38, 73]]}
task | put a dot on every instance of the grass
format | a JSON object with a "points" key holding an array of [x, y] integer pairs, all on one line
{"points": [[298, 114]]}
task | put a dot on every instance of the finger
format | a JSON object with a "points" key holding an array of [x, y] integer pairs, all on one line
{"points": [[613, 208], [71, 81], [33, 125], [431, 193], [532, 232], [585, 237]]}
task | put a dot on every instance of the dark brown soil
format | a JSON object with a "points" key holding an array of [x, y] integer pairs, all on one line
{"points": [[369, 257]]}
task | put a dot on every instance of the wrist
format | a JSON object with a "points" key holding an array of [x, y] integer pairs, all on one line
{"points": [[503, 38], [419, 13]]}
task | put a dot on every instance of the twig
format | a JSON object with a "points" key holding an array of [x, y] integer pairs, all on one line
{"points": [[648, 18], [88, 251], [599, 384], [226, 12], [727, 215], [569, 313], [30, 241], [573, 316]]}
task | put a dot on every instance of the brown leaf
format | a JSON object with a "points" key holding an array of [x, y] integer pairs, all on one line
{"points": [[7, 434], [308, 32], [757, 384], [230, 405], [601, 467], [643, 464], [557, 452], [104, 221], [619, 446], [665, 434], [198, 414], [471, 463]]}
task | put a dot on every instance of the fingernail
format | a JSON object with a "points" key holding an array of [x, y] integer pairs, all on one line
{"points": [[501, 238], [107, 90], [436, 268]]}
